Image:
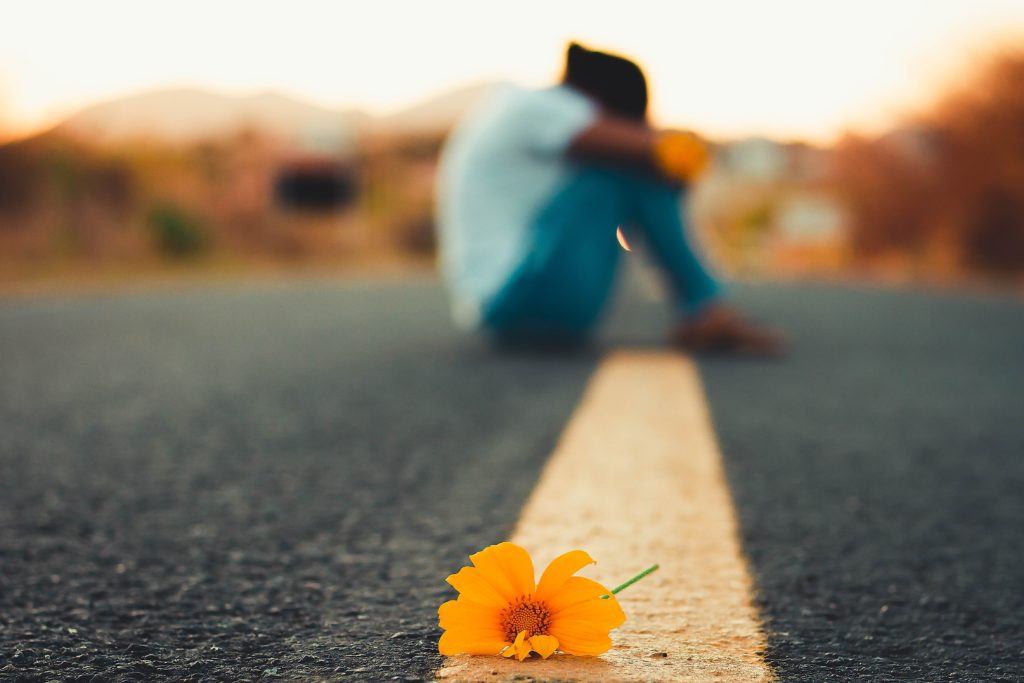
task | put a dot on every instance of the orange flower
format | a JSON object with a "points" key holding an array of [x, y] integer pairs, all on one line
{"points": [[501, 609]]}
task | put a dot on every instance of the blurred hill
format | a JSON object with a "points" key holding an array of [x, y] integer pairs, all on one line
{"points": [[436, 114], [189, 114], [183, 115]]}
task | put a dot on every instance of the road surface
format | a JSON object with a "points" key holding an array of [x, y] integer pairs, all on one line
{"points": [[273, 481]]}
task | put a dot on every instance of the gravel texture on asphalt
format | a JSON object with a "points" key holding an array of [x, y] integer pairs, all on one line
{"points": [[253, 484], [878, 473], [272, 482]]}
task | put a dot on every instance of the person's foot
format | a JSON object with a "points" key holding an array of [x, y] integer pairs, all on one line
{"points": [[720, 329]]}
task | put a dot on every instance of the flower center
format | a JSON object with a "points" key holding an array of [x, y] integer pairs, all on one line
{"points": [[525, 615]]}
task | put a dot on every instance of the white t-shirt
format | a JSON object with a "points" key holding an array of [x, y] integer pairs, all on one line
{"points": [[502, 163]]}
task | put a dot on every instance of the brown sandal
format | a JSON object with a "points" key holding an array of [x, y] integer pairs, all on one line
{"points": [[722, 330]]}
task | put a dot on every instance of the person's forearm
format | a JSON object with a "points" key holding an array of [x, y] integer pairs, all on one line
{"points": [[674, 155], [617, 141]]}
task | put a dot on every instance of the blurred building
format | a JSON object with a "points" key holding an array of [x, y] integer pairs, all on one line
{"points": [[758, 159], [767, 206], [809, 218]]}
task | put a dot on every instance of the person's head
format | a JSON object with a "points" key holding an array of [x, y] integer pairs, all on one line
{"points": [[616, 83]]}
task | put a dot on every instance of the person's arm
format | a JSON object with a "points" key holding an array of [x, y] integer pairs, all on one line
{"points": [[616, 140], [674, 155]]}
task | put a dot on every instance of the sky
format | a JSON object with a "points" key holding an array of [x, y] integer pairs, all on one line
{"points": [[791, 69]]}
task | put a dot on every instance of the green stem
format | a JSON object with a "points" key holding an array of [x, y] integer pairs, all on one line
{"points": [[629, 583]]}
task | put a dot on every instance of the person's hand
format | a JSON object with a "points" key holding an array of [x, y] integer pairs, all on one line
{"points": [[680, 156]]}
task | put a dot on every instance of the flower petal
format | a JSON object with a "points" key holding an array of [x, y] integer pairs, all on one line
{"points": [[470, 583], [508, 568], [581, 637], [576, 629], [603, 614], [469, 643], [465, 614], [582, 645], [520, 649], [573, 592], [521, 646], [544, 645], [559, 571], [581, 620]]}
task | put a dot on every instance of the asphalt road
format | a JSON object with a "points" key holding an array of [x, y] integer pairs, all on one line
{"points": [[879, 477], [273, 481]]}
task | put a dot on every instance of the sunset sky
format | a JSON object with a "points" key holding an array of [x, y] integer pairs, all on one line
{"points": [[793, 69]]}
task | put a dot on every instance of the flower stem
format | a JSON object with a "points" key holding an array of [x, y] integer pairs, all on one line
{"points": [[629, 583]]}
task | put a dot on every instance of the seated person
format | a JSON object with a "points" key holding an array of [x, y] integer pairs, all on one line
{"points": [[533, 186]]}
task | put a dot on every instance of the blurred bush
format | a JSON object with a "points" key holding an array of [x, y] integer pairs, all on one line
{"points": [[65, 201], [19, 181], [399, 174], [177, 233], [59, 197]]}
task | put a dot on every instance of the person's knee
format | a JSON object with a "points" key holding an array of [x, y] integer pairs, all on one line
{"points": [[631, 184], [599, 181]]}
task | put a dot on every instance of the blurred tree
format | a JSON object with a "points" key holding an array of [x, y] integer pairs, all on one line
{"points": [[982, 165], [19, 181], [888, 191], [955, 177]]}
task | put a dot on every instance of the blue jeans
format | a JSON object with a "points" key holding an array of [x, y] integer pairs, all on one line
{"points": [[563, 283]]}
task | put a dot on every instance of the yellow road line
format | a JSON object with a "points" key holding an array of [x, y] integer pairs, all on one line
{"points": [[636, 479]]}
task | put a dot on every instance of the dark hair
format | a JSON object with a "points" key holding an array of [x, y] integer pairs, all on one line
{"points": [[617, 83]]}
